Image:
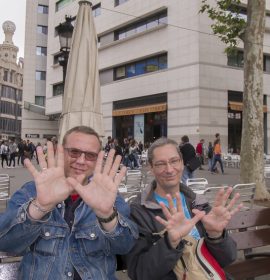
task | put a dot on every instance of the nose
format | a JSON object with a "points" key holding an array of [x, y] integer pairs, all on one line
{"points": [[169, 168], [81, 158]]}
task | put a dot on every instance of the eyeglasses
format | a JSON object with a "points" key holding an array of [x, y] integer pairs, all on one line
{"points": [[162, 165], [76, 153]]}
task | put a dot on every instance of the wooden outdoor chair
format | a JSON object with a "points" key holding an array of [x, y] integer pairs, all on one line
{"points": [[251, 231], [4, 191]]}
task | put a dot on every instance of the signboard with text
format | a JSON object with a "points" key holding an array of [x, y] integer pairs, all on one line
{"points": [[139, 128]]}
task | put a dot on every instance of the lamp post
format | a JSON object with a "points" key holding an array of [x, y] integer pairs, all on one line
{"points": [[65, 31]]}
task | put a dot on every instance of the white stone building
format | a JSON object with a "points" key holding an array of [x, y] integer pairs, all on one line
{"points": [[11, 84], [162, 71]]}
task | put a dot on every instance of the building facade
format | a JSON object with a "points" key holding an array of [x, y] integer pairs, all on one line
{"points": [[11, 85], [36, 125], [162, 71]]}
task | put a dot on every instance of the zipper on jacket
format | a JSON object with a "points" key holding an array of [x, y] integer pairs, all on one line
{"points": [[206, 269]]}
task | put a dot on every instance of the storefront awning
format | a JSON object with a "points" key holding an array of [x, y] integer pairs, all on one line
{"points": [[238, 106], [140, 110]]}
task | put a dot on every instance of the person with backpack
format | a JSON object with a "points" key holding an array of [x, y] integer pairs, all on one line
{"points": [[210, 153], [172, 219], [4, 154]]}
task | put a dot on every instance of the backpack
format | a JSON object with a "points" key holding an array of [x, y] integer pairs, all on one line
{"points": [[210, 152], [197, 262]]}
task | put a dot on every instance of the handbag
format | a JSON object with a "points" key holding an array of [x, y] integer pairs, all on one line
{"points": [[193, 164], [197, 263]]}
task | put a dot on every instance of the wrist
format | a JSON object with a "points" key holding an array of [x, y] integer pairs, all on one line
{"points": [[42, 208], [214, 235], [106, 218]]}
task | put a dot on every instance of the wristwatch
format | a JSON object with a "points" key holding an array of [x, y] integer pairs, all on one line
{"points": [[110, 218]]}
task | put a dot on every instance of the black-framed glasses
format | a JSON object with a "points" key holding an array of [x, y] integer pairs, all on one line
{"points": [[76, 153], [162, 165]]}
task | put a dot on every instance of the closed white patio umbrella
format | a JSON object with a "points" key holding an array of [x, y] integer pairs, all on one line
{"points": [[82, 100]]}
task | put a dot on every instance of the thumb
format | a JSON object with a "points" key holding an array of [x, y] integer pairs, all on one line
{"points": [[75, 184]]}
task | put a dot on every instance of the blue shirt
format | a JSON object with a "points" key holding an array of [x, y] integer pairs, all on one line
{"points": [[194, 232]]}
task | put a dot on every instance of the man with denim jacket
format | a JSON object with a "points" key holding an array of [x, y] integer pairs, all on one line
{"points": [[168, 207], [66, 225]]}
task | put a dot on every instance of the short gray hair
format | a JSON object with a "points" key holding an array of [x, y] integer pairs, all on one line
{"points": [[160, 143], [81, 129]]}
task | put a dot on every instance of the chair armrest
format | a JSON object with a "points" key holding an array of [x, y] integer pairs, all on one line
{"points": [[257, 255]]}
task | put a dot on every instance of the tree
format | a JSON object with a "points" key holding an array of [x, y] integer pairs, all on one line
{"points": [[230, 27]]}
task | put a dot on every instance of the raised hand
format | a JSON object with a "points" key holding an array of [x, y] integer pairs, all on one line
{"points": [[176, 224], [51, 184], [221, 213], [100, 193]]}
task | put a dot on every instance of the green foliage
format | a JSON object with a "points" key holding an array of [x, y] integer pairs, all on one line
{"points": [[228, 24]]}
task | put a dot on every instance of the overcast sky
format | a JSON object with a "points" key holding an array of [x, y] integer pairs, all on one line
{"points": [[14, 10]]}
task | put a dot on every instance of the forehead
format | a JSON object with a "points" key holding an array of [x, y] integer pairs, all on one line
{"points": [[165, 152], [82, 141]]}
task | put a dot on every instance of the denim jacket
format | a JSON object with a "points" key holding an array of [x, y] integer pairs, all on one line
{"points": [[51, 250]]}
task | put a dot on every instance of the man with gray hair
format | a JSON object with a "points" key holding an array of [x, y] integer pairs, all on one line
{"points": [[174, 209]]}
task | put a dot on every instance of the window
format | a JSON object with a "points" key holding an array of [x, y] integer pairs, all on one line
{"points": [[96, 10], [266, 63], [141, 67], [58, 89], [40, 75], [61, 4], [8, 92], [19, 95], [41, 29], [119, 2], [236, 59], [42, 9], [5, 78], [40, 100], [41, 51], [141, 25]]}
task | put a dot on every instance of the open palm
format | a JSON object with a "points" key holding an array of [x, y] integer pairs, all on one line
{"points": [[221, 213], [100, 193], [177, 225], [51, 184]]}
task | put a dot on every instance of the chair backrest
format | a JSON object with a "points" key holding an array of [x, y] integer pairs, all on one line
{"points": [[197, 181], [267, 171], [133, 178], [252, 228], [211, 192], [197, 184], [4, 190], [246, 192]]}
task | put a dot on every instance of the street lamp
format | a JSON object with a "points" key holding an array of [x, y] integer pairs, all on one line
{"points": [[65, 31]]}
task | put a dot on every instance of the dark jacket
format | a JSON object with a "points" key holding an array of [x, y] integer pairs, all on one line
{"points": [[188, 152], [152, 257]]}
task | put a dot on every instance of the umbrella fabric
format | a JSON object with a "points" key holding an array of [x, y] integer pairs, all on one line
{"points": [[82, 100]]}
